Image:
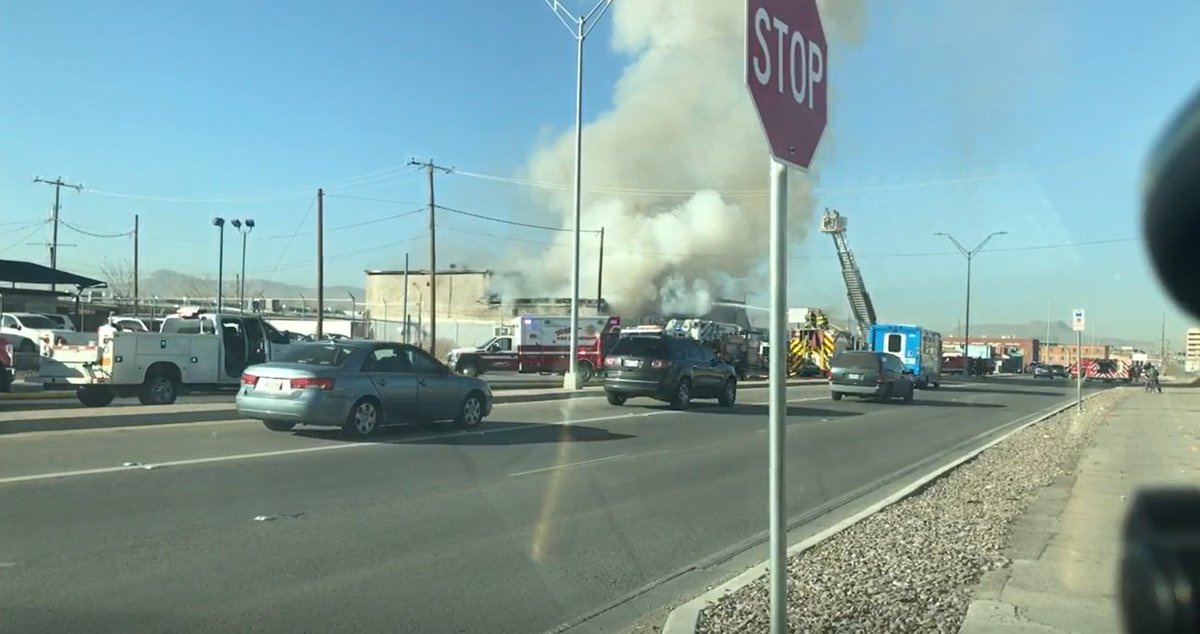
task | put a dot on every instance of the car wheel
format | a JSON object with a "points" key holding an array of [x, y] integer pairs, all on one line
{"points": [[585, 371], [470, 415], [837, 396], [158, 389], [470, 369], [615, 399], [94, 396], [908, 397], [363, 420], [278, 425], [729, 394], [886, 395], [683, 395]]}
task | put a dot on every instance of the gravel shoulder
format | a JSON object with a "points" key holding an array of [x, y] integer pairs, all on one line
{"points": [[912, 566]]}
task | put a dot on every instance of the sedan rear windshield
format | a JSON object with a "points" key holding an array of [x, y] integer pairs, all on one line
{"points": [[325, 354], [858, 360], [651, 347]]}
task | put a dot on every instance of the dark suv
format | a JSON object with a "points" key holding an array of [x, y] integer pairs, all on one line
{"points": [[870, 374], [671, 369]]}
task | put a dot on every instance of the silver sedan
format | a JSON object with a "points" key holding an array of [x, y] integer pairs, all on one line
{"points": [[359, 386]]}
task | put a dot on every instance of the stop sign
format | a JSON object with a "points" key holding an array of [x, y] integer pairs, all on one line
{"points": [[785, 72]]}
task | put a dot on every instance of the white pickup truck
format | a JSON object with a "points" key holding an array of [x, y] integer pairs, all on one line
{"points": [[195, 349], [32, 333]]}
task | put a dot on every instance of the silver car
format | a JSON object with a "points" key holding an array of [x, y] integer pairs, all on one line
{"points": [[359, 386]]}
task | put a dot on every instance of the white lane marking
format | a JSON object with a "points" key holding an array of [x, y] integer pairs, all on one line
{"points": [[305, 450], [792, 400], [570, 465]]}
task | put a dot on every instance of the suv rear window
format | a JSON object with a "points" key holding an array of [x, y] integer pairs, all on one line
{"points": [[858, 360], [640, 347]]}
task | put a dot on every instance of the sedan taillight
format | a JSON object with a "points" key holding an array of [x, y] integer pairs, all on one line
{"points": [[249, 379], [611, 362], [659, 364], [323, 383]]}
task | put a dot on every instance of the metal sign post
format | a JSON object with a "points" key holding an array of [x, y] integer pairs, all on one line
{"points": [[1077, 323], [786, 55]]}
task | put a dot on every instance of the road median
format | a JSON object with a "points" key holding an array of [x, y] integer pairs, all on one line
{"points": [[907, 562]]}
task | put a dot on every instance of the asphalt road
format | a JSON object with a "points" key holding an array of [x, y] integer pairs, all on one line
{"points": [[552, 511]]}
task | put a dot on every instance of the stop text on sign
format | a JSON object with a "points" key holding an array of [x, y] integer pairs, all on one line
{"points": [[798, 64]]}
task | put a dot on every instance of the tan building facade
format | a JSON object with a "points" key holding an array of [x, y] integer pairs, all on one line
{"points": [[1065, 354]]}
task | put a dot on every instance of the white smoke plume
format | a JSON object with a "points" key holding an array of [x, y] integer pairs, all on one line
{"points": [[680, 162]]}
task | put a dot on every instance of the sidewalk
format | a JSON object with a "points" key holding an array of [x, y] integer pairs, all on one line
{"points": [[1065, 548]]}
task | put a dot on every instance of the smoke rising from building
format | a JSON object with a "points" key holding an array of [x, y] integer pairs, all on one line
{"points": [[676, 170]]}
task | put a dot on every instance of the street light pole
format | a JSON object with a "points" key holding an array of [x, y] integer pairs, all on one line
{"points": [[969, 255], [580, 27], [219, 223], [243, 227]]}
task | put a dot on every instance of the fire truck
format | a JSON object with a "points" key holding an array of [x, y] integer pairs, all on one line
{"points": [[1106, 370], [539, 344]]}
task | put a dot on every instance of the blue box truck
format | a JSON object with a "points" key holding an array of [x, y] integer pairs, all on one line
{"points": [[920, 350]]}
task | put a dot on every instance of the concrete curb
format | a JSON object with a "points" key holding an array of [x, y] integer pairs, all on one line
{"points": [[683, 619], [35, 396]]}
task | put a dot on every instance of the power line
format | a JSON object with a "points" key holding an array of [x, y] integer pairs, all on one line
{"points": [[687, 193], [512, 222], [803, 257], [296, 264], [354, 181], [287, 246], [372, 199], [25, 237], [22, 223], [284, 236], [85, 232]]}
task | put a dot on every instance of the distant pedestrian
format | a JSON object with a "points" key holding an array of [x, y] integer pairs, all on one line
{"points": [[1152, 384]]}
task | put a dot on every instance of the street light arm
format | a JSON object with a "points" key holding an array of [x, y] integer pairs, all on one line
{"points": [[558, 9], [986, 240], [957, 245], [598, 12]]}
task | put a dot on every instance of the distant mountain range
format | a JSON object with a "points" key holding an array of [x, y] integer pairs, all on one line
{"points": [[165, 283]]}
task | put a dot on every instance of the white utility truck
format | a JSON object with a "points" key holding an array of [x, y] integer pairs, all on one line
{"points": [[194, 350]]}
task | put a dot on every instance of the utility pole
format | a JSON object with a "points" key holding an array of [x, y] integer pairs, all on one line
{"points": [[430, 166], [320, 263], [136, 272], [1163, 353], [58, 185], [405, 337], [600, 274]]}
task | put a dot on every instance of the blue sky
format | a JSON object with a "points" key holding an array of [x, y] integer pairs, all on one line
{"points": [[1028, 117]]}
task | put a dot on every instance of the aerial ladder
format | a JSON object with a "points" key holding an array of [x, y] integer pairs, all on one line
{"points": [[834, 224]]}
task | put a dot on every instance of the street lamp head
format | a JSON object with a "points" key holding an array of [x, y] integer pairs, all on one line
{"points": [[941, 233], [237, 224], [249, 223], [218, 222]]}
